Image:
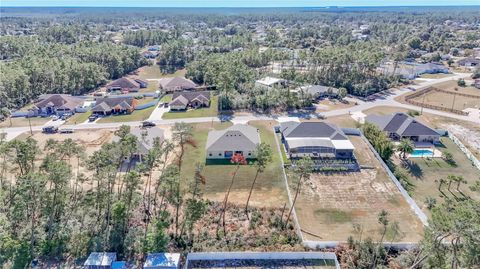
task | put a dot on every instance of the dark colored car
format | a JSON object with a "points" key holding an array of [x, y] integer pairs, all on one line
{"points": [[148, 124], [93, 117], [50, 129]]}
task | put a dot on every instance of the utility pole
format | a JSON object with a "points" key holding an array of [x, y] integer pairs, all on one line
{"points": [[30, 124], [453, 104]]}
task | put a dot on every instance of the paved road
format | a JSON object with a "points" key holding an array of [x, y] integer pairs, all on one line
{"points": [[385, 100]]}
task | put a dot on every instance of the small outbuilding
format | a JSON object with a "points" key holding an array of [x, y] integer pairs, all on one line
{"points": [[162, 261]]}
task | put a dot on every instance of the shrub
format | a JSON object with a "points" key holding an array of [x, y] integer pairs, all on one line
{"points": [[461, 82], [413, 113], [448, 157]]}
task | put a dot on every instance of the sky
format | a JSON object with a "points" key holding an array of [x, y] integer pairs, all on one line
{"points": [[236, 3]]}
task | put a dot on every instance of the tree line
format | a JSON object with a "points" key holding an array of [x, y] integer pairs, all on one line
{"points": [[33, 68]]}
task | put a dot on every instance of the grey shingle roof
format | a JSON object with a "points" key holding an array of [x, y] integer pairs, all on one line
{"points": [[108, 103], [311, 129], [236, 136], [400, 124]]}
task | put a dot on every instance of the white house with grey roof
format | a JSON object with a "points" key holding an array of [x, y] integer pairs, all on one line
{"points": [[315, 140], [401, 125], [237, 139], [145, 139]]}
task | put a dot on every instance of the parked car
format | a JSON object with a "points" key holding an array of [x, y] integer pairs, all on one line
{"points": [[66, 116], [148, 124], [93, 117], [50, 129], [55, 117], [66, 131]]}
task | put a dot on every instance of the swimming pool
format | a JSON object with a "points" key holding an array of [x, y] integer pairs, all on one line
{"points": [[422, 153]]}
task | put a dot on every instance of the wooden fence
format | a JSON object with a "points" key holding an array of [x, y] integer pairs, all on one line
{"points": [[409, 100]]}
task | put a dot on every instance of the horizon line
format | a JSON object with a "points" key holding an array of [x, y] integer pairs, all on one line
{"points": [[266, 6]]}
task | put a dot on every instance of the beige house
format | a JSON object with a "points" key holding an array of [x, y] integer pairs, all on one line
{"points": [[237, 139]]}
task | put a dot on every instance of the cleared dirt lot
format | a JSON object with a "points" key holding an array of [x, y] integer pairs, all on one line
{"points": [[331, 203]]}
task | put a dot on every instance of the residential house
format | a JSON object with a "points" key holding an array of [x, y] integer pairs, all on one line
{"points": [[57, 104], [318, 91], [184, 100], [237, 139], [145, 139], [114, 105], [150, 54], [469, 62], [127, 85], [100, 260], [315, 140], [271, 82], [175, 84], [400, 125], [409, 70], [162, 261]]}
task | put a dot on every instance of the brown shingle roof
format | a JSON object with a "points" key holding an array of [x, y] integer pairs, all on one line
{"points": [[176, 84], [63, 101]]}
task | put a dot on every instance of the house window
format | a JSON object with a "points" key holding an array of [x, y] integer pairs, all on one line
{"points": [[219, 154], [210, 154], [249, 154], [228, 154]]}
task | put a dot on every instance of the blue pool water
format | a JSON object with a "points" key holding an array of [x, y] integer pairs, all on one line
{"points": [[422, 153]]}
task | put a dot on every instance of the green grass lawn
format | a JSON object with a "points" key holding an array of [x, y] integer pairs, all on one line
{"points": [[153, 72], [436, 76], [167, 98], [22, 122], [78, 118], [137, 115], [211, 111], [269, 189], [426, 173]]}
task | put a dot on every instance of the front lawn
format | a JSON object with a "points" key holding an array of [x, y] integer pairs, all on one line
{"points": [[269, 189], [22, 122], [79, 118], [211, 111], [136, 115]]}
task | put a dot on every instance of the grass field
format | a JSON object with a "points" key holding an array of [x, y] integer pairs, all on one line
{"points": [[78, 118], [22, 121], [331, 203], [153, 72], [136, 115], [448, 100], [425, 175], [270, 188], [435, 76], [211, 111]]}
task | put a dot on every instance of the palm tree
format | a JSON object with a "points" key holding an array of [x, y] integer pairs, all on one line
{"points": [[405, 147], [441, 182], [460, 180], [263, 156]]}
